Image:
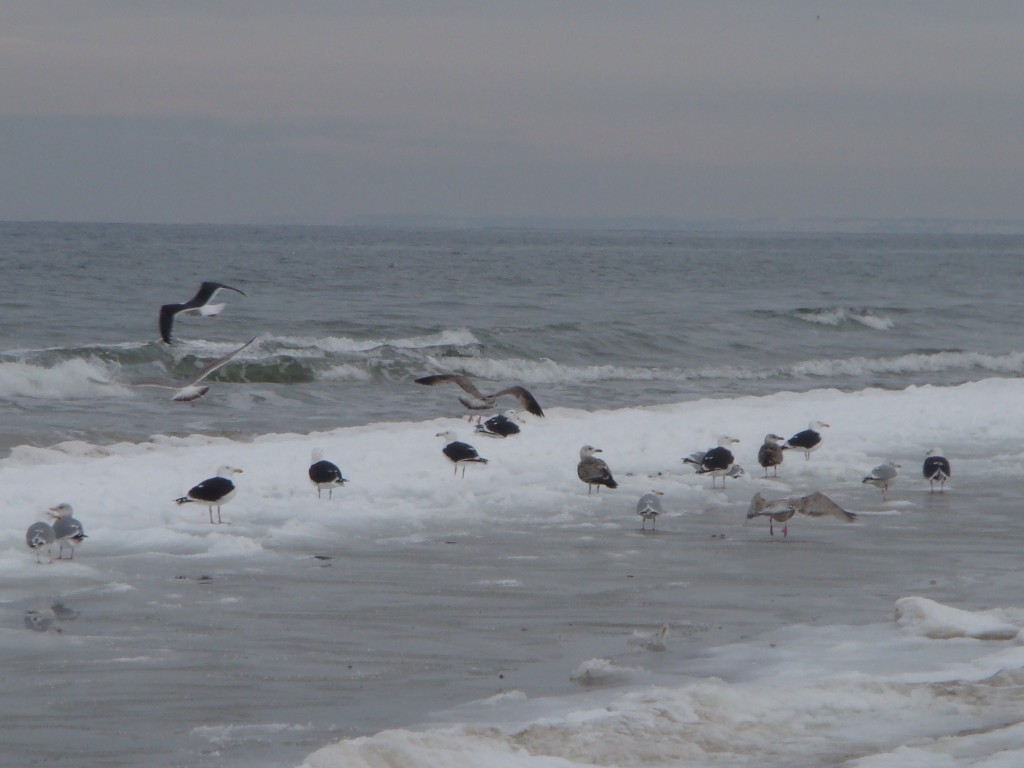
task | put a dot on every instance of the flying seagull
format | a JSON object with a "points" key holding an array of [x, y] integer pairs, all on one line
{"points": [[478, 401], [717, 462], [197, 305], [883, 476], [40, 535], [816, 504], [649, 507], [66, 529], [459, 453], [937, 469], [594, 471], [214, 491], [770, 453], [807, 441], [324, 474], [190, 390]]}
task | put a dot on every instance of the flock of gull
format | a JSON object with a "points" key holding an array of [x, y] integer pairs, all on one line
{"points": [[716, 462]]}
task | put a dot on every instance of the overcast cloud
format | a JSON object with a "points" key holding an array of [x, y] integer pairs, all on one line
{"points": [[319, 112]]}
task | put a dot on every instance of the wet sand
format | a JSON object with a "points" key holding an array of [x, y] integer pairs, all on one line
{"points": [[259, 661]]}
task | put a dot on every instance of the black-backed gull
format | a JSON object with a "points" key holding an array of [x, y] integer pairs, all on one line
{"points": [[459, 453], [717, 461], [937, 469], [808, 441], [214, 491], [324, 474], [503, 425], [197, 305]]}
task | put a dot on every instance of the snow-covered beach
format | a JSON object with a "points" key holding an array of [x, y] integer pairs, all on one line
{"points": [[414, 593]]}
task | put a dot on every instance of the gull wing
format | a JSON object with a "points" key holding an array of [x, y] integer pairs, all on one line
{"points": [[206, 291], [220, 361], [818, 504], [455, 378], [528, 401]]}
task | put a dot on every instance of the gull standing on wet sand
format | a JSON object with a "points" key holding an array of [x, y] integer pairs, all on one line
{"points": [[649, 507], [937, 470], [883, 476]]}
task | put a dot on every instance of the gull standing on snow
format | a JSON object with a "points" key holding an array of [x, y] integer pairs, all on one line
{"points": [[66, 529], [649, 507], [937, 470], [40, 535], [816, 504], [717, 462], [324, 474], [503, 425], [807, 441], [197, 305], [770, 453], [883, 476], [594, 471], [477, 400], [190, 390], [459, 453], [214, 491]]}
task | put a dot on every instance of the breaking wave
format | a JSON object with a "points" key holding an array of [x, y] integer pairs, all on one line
{"points": [[77, 378], [838, 316], [548, 371]]}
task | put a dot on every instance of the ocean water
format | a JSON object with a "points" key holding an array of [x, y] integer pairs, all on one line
{"points": [[347, 318], [508, 618]]}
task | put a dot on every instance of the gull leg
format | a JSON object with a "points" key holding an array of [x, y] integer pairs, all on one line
{"points": [[771, 526]]}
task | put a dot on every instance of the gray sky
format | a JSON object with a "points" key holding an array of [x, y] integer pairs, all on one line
{"points": [[317, 112]]}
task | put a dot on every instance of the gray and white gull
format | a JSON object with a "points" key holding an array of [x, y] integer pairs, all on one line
{"points": [[475, 400], [816, 504]]}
